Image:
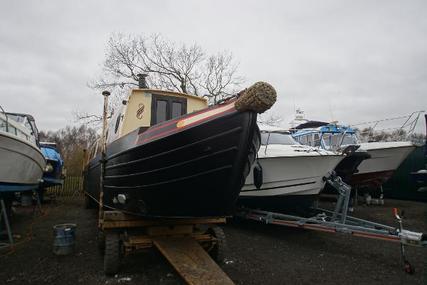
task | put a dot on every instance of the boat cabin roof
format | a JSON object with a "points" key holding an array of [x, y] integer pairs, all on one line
{"points": [[310, 124], [28, 116], [267, 128], [168, 93], [330, 128]]}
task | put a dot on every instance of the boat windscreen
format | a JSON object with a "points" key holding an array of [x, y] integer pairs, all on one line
{"points": [[333, 141], [349, 139], [23, 120], [277, 138]]}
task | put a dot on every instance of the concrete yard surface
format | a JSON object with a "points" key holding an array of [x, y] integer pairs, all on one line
{"points": [[257, 253]]}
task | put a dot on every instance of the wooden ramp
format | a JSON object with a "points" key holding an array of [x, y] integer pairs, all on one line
{"points": [[191, 261]]}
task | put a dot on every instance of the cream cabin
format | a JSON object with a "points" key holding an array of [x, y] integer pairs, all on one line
{"points": [[147, 107]]}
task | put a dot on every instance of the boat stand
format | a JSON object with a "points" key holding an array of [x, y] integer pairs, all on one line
{"points": [[189, 244], [338, 221], [4, 217]]}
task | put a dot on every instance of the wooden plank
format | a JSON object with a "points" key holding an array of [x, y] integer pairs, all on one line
{"points": [[191, 261], [170, 230]]}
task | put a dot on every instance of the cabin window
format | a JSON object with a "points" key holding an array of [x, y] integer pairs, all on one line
{"points": [[161, 111], [316, 140], [2, 125], [12, 130], [176, 109], [280, 138], [309, 140], [264, 138], [164, 108]]}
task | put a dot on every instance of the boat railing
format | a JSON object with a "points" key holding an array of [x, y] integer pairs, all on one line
{"points": [[7, 119]]}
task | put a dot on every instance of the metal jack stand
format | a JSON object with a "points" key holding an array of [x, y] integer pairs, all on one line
{"points": [[38, 205], [3, 215], [406, 265], [344, 191]]}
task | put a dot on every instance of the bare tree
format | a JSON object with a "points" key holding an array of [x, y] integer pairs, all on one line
{"points": [[176, 67], [218, 78]]}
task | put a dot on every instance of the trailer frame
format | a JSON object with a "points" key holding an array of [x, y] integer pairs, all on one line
{"points": [[189, 244], [338, 221]]}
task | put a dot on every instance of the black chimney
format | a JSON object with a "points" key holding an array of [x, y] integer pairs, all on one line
{"points": [[142, 83]]}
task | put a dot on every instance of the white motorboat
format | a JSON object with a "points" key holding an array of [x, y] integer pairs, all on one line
{"points": [[292, 174], [385, 159], [22, 163], [382, 159]]}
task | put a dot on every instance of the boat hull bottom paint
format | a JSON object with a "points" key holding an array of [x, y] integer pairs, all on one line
{"points": [[372, 179], [385, 159], [17, 187], [166, 171]]}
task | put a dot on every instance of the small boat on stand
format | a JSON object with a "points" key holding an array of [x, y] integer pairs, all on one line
{"points": [[385, 159], [169, 155], [287, 176], [420, 176], [372, 164], [53, 174], [21, 161], [336, 138]]}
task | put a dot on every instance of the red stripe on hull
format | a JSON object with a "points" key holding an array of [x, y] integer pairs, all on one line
{"points": [[170, 127], [373, 179]]}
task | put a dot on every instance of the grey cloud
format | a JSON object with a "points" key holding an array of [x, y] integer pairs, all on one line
{"points": [[345, 60]]}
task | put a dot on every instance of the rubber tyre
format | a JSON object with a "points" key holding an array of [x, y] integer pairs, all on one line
{"points": [[218, 251], [112, 255]]}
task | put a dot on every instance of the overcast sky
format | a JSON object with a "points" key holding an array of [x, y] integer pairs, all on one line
{"points": [[350, 61]]}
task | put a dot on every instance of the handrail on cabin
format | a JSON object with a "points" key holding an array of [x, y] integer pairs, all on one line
{"points": [[7, 119]]}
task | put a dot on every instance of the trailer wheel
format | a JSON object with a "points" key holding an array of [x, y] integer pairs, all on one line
{"points": [[112, 255], [101, 241], [217, 252]]}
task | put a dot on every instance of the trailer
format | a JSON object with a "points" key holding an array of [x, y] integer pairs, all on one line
{"points": [[338, 221], [189, 244]]}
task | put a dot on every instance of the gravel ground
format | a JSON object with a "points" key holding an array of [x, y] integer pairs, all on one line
{"points": [[257, 254]]}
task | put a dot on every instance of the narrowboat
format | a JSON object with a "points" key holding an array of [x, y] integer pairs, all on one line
{"points": [[170, 155]]}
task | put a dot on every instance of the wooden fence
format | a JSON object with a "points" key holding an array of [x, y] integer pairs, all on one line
{"points": [[72, 186]]}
